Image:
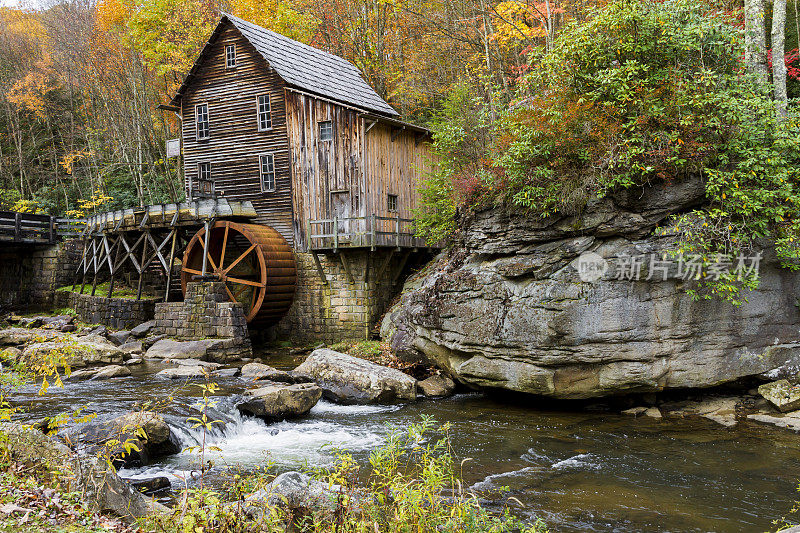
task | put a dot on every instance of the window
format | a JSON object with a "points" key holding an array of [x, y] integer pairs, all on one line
{"points": [[230, 56], [264, 114], [267, 162], [205, 185], [325, 130], [392, 203], [201, 117]]}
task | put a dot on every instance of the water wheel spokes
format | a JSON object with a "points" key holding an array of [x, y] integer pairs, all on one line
{"points": [[254, 261]]}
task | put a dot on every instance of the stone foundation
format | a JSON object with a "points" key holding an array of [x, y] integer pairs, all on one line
{"points": [[29, 275], [115, 313], [206, 313], [341, 310]]}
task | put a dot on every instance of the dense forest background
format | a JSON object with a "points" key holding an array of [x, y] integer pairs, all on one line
{"points": [[80, 80], [537, 103]]}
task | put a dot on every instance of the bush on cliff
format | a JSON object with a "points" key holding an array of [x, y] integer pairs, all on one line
{"points": [[644, 91]]}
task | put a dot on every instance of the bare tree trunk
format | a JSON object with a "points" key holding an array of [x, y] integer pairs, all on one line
{"points": [[778, 62], [755, 52]]}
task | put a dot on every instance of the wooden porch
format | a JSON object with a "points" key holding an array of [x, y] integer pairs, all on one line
{"points": [[371, 231]]}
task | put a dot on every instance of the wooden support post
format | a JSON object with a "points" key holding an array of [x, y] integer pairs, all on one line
{"points": [[308, 236], [205, 248], [400, 267], [17, 226], [335, 234], [114, 268], [141, 270], [374, 230], [171, 263], [397, 232], [346, 266], [96, 268], [52, 237], [320, 270]]}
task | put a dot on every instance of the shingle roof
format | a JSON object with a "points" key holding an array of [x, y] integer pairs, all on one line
{"points": [[311, 69]]}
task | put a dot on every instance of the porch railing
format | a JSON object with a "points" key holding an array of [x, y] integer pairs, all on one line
{"points": [[371, 231]]}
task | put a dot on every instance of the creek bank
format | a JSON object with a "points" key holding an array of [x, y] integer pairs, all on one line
{"points": [[506, 307], [102, 488]]}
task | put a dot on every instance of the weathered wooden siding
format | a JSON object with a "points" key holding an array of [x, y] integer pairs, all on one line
{"points": [[235, 143], [352, 174]]}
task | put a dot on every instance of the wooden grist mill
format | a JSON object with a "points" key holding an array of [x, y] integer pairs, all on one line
{"points": [[302, 184]]}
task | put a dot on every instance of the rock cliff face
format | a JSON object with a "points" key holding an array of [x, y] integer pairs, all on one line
{"points": [[506, 307]]}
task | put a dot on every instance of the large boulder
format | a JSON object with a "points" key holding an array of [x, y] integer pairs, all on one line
{"points": [[99, 485], [507, 308], [348, 379], [146, 430], [78, 351], [276, 401]]}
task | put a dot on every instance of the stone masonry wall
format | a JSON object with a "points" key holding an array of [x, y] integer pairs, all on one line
{"points": [[29, 275], [116, 313], [207, 313], [340, 310]]}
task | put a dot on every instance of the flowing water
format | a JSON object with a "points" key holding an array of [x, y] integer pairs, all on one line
{"points": [[579, 471]]}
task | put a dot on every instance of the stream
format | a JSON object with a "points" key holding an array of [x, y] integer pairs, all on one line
{"points": [[578, 470]]}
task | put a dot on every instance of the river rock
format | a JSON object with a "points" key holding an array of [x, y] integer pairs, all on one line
{"points": [[255, 371], [79, 351], [784, 420], [158, 441], [172, 349], [635, 411], [277, 401], [79, 375], [348, 379], [437, 386], [119, 337], [11, 352], [20, 336], [143, 329], [132, 348], [61, 323], [112, 371], [151, 485], [183, 372], [294, 491], [782, 394], [506, 308], [101, 488], [194, 362]]}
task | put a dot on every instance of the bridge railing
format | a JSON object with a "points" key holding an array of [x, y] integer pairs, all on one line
{"points": [[31, 228]]}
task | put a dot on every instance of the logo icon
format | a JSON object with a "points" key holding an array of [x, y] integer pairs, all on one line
{"points": [[591, 267]]}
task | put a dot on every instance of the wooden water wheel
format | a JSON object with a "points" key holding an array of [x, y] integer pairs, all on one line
{"points": [[255, 262]]}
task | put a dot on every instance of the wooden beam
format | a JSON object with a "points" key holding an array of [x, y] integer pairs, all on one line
{"points": [[400, 267], [320, 270], [171, 263], [385, 264], [346, 266], [396, 132]]}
